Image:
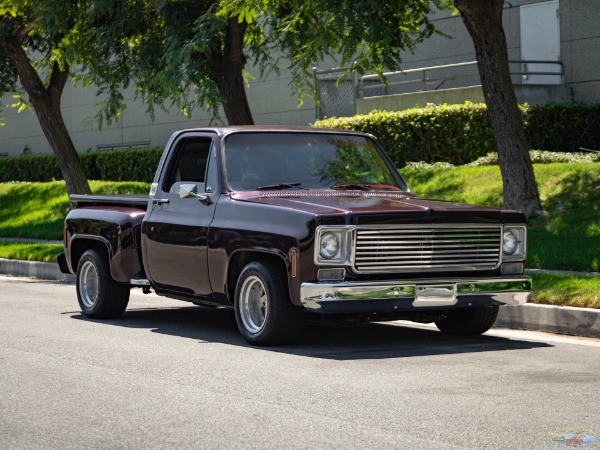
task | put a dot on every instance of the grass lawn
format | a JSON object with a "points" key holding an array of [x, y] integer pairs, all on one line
{"points": [[567, 237], [30, 251], [37, 210], [566, 290]]}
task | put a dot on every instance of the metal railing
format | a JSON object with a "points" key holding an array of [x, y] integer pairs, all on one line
{"points": [[338, 97], [373, 82], [525, 73], [423, 79]]}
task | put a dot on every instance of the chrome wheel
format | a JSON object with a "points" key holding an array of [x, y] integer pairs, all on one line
{"points": [[88, 284], [253, 304], [264, 312]]}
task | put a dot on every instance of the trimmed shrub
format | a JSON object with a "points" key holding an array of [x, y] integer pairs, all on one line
{"points": [[128, 165], [113, 165], [459, 134], [456, 134], [29, 168], [563, 127]]}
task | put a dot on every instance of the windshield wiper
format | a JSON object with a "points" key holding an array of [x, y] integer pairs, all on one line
{"points": [[278, 186], [351, 187]]}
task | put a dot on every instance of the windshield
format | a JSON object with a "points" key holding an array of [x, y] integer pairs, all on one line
{"points": [[275, 160]]}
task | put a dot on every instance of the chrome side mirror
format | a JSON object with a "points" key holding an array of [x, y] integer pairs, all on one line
{"points": [[188, 190]]}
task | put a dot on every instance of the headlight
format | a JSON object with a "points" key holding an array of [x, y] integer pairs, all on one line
{"points": [[333, 245], [330, 245], [514, 243], [510, 242]]}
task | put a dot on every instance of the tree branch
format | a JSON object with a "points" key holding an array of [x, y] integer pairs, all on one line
{"points": [[25, 30], [28, 76], [58, 79]]}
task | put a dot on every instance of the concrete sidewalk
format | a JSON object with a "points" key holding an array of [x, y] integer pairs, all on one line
{"points": [[34, 269], [553, 319]]}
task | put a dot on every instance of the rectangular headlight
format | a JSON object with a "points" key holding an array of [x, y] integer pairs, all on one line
{"points": [[333, 245], [514, 242]]}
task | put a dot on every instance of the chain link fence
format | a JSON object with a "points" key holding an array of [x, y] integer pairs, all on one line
{"points": [[337, 98]]}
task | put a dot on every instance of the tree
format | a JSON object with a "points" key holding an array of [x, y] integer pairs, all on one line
{"points": [[169, 48], [34, 42], [369, 35], [181, 48], [484, 23]]}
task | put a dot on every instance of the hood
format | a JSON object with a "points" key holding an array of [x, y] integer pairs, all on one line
{"points": [[379, 207]]}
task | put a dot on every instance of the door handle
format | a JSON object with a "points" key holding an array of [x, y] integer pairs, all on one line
{"points": [[160, 201]]}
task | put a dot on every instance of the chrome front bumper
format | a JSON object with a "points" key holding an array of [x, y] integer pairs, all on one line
{"points": [[414, 295]]}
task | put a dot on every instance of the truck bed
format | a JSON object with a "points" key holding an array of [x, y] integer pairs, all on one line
{"points": [[131, 201]]}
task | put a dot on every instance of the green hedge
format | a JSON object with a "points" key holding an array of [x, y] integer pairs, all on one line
{"points": [[113, 165], [563, 127], [452, 133], [455, 134], [459, 134]]}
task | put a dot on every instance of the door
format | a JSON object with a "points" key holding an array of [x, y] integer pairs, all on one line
{"points": [[540, 41], [176, 230]]}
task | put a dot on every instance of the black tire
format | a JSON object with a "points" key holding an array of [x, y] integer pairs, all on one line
{"points": [[264, 312], [99, 296], [468, 322]]}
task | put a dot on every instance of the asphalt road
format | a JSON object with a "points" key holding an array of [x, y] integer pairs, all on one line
{"points": [[173, 375]]}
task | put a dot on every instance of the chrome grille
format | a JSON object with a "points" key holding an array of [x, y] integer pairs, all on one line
{"points": [[428, 248]]}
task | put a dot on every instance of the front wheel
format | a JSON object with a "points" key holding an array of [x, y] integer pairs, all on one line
{"points": [[264, 312], [468, 322], [99, 296]]}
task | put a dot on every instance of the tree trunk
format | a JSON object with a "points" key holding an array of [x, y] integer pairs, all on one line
{"points": [[483, 20], [46, 104], [227, 69]]}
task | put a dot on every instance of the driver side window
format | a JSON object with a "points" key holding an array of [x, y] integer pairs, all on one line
{"points": [[188, 165]]}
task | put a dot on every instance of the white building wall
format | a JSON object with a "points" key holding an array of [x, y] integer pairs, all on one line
{"points": [[272, 102]]}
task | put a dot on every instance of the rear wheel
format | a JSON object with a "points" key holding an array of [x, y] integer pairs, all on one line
{"points": [[264, 312], [99, 296], [466, 322]]}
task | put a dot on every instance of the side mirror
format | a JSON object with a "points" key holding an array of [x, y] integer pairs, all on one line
{"points": [[188, 190]]}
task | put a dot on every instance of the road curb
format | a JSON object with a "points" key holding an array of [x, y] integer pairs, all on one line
{"points": [[34, 269], [553, 319]]}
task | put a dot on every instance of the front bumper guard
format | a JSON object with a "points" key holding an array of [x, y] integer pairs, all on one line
{"points": [[407, 296]]}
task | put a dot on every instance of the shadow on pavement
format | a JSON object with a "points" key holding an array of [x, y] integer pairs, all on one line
{"points": [[327, 341]]}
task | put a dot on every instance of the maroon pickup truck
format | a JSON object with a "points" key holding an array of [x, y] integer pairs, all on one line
{"points": [[288, 223]]}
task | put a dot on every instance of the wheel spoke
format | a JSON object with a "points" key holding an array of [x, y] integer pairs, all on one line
{"points": [[89, 284], [253, 304]]}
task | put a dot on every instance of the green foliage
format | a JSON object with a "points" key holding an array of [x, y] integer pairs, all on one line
{"points": [[454, 184], [38, 210], [564, 126], [114, 165], [541, 157], [49, 29], [172, 50], [127, 165], [567, 237], [566, 290], [30, 251], [461, 134], [365, 34], [455, 134]]}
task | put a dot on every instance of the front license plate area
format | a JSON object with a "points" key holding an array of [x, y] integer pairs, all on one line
{"points": [[436, 295]]}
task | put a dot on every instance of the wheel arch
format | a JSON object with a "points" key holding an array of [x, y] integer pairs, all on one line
{"points": [[241, 258], [80, 244]]}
